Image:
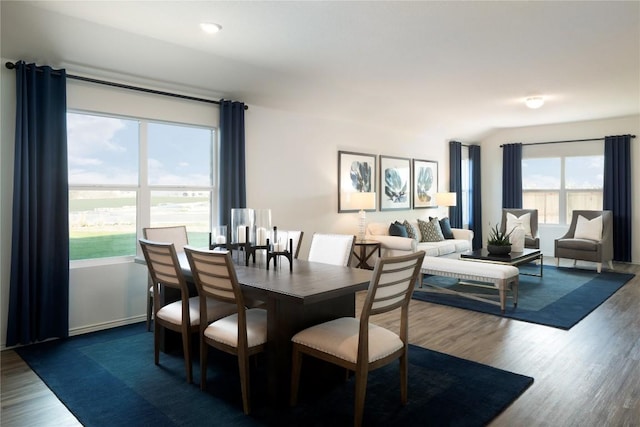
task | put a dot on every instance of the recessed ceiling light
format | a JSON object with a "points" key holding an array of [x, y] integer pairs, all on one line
{"points": [[210, 27], [534, 102]]}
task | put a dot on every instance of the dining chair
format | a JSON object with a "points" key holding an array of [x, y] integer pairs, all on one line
{"points": [[182, 316], [243, 333], [176, 235], [331, 248], [361, 346]]}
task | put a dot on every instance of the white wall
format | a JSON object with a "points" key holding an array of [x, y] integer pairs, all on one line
{"points": [[492, 167]]}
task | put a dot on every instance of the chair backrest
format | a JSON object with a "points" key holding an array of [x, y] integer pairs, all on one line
{"points": [[214, 274], [533, 219], [333, 249], [164, 267], [294, 235], [391, 287], [175, 234]]}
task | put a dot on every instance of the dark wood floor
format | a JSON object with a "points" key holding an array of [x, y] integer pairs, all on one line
{"points": [[587, 376]]}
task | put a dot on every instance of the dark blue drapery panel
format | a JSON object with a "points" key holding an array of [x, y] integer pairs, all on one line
{"points": [[512, 176], [233, 186], [475, 196], [455, 182], [39, 287], [617, 192]]}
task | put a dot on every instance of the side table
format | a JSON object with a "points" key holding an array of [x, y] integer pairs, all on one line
{"points": [[363, 250]]}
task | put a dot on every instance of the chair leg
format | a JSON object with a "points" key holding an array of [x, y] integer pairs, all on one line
{"points": [[243, 364], [203, 363], [360, 393], [611, 264], [599, 267], [156, 345], [149, 310], [404, 378], [296, 366], [186, 349]]}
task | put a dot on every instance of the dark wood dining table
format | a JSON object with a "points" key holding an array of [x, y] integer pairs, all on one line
{"points": [[312, 293]]}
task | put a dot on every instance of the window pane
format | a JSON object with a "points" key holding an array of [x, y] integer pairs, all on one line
{"points": [[583, 200], [547, 203], [585, 172], [541, 174], [102, 224], [102, 150], [189, 208], [179, 155]]}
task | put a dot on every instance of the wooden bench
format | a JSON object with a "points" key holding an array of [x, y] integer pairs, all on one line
{"points": [[501, 277]]}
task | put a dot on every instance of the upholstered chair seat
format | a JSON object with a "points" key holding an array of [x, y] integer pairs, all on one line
{"points": [[172, 313]]}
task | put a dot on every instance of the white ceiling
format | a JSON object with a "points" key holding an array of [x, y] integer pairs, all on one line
{"points": [[464, 67]]}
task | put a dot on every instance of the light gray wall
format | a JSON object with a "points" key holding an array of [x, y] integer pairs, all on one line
{"points": [[492, 167]]}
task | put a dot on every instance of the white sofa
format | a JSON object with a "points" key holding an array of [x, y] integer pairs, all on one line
{"points": [[395, 245]]}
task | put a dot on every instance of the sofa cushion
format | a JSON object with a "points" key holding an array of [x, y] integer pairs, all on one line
{"points": [[523, 221], [588, 229], [397, 229], [445, 226], [412, 232], [430, 230]]}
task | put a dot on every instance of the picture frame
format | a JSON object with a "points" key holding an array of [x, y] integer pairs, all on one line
{"points": [[425, 183], [395, 183], [356, 173]]}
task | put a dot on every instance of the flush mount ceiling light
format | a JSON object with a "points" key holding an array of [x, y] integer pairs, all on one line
{"points": [[210, 27], [534, 102]]}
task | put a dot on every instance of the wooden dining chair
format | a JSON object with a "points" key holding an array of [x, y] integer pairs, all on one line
{"points": [[182, 316], [176, 235], [358, 345], [243, 333], [331, 248]]}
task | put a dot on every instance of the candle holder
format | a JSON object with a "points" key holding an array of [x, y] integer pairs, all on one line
{"points": [[262, 224], [218, 238], [242, 230], [278, 249]]}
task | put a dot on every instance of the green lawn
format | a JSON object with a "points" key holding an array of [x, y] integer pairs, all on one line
{"points": [[114, 245]]}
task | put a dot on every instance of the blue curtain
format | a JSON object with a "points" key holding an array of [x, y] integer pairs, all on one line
{"points": [[39, 287], [475, 196], [233, 187], [617, 192], [512, 176], [455, 182]]}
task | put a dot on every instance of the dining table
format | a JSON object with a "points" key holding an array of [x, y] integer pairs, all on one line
{"points": [[308, 294]]}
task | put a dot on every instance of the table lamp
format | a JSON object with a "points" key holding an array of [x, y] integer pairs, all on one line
{"points": [[362, 201], [446, 199]]}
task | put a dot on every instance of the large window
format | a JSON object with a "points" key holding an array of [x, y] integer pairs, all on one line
{"points": [[126, 174], [558, 185]]}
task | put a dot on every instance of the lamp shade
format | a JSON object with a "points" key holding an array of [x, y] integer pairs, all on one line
{"points": [[362, 200], [446, 199]]}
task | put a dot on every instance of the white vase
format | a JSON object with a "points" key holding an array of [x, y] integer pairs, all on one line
{"points": [[517, 239]]}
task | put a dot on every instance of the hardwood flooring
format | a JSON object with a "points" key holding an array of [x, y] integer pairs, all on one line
{"points": [[587, 376]]}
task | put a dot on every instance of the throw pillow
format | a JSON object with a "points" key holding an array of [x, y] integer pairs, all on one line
{"points": [[397, 229], [411, 230], [523, 221], [430, 230], [588, 229], [445, 225]]}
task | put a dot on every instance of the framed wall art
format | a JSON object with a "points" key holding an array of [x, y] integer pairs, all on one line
{"points": [[356, 174], [395, 183], [425, 183]]}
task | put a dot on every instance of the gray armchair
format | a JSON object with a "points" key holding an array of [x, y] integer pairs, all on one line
{"points": [[531, 242], [598, 251]]}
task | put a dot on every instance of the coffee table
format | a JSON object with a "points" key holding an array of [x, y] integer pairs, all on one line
{"points": [[513, 258]]}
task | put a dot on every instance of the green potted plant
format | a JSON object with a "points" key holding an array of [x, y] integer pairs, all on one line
{"points": [[498, 242]]}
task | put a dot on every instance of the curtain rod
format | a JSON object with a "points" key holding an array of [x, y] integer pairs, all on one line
{"points": [[569, 140], [11, 66]]}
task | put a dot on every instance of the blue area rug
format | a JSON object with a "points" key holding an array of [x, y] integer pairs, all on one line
{"points": [[561, 298], [108, 378]]}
